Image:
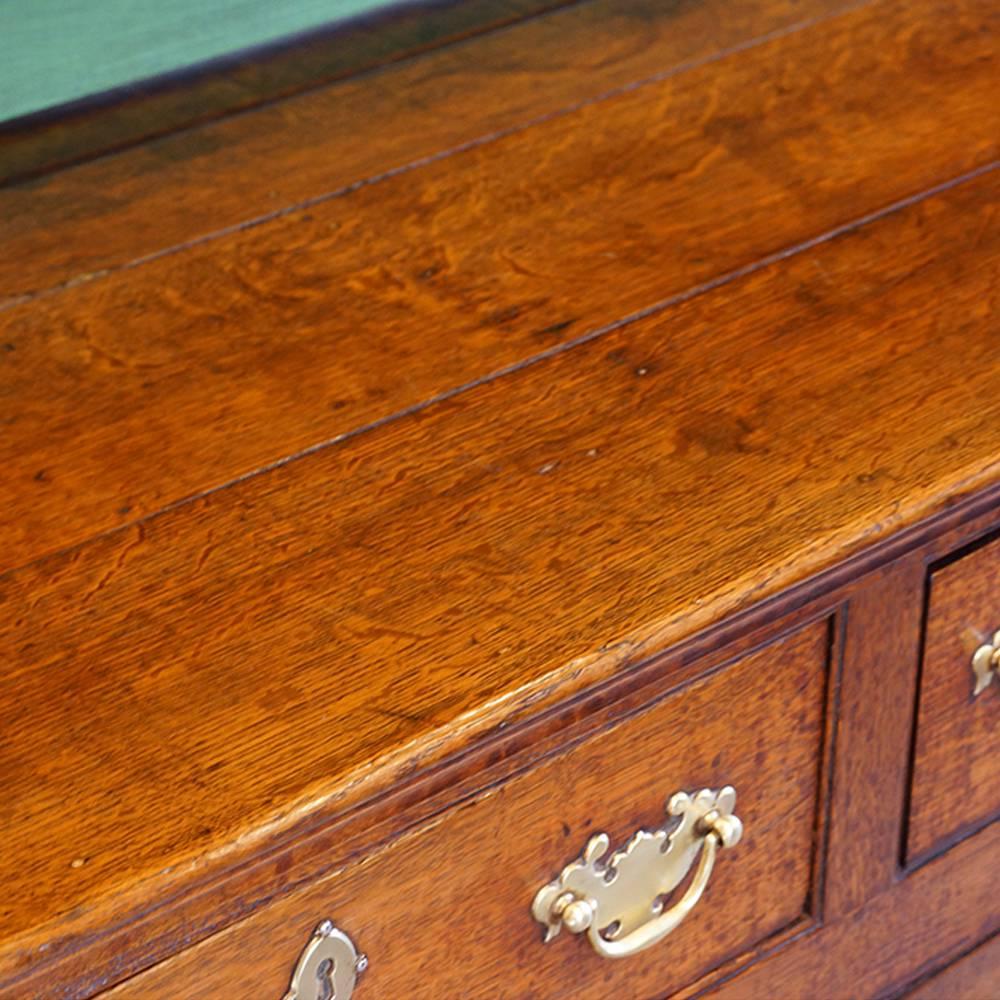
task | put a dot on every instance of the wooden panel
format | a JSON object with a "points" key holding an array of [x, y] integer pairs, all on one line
{"points": [[299, 641], [165, 380], [882, 651], [186, 186], [464, 885], [956, 770], [975, 976]]}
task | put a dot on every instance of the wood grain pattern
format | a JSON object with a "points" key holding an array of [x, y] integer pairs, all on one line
{"points": [[956, 771], [975, 976], [189, 185], [298, 641], [469, 877], [166, 380], [882, 652], [110, 948]]}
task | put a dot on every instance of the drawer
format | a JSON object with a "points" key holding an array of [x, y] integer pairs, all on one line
{"points": [[956, 767], [446, 909]]}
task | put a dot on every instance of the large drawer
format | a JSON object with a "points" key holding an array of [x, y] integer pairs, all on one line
{"points": [[956, 767], [446, 910]]}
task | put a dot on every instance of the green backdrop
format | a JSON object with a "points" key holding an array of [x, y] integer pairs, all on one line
{"points": [[54, 51]]}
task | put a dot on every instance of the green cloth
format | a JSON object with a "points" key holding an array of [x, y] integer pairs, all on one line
{"points": [[54, 51]]}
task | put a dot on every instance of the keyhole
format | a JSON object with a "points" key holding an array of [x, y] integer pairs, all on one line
{"points": [[324, 980]]}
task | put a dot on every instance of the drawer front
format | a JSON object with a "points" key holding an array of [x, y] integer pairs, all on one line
{"points": [[956, 765], [446, 910]]}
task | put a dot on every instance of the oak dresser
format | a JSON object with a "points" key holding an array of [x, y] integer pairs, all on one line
{"points": [[520, 521]]}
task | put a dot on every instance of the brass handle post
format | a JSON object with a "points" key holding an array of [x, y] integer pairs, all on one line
{"points": [[986, 665]]}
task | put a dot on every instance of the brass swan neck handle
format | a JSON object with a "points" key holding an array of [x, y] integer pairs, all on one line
{"points": [[618, 903]]}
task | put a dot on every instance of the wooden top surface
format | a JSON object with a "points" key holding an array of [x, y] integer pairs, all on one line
{"points": [[780, 271], [441, 276], [323, 143]]}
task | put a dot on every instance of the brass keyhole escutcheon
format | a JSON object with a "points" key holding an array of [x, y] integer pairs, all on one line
{"points": [[328, 967]]}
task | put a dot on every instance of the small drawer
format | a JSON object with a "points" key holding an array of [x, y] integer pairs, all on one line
{"points": [[447, 910], [956, 765]]}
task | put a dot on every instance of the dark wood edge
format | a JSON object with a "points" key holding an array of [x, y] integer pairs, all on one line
{"points": [[769, 947], [836, 646], [39, 143], [961, 934], [908, 863], [795, 930], [925, 976], [946, 843], [337, 834]]}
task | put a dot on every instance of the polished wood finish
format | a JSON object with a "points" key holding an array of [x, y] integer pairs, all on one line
{"points": [[193, 184], [955, 757], [218, 760], [326, 619], [472, 265], [975, 976], [354, 528], [470, 877], [874, 723]]}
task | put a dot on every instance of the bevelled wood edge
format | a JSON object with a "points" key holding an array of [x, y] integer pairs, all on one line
{"points": [[837, 624], [37, 143], [455, 782], [200, 903]]}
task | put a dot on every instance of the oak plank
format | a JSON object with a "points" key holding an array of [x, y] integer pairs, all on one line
{"points": [[304, 638], [191, 184], [164, 381]]}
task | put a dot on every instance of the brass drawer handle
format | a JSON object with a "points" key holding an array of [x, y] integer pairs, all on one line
{"points": [[328, 967], [986, 664], [619, 902]]}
